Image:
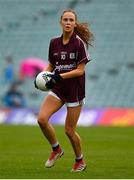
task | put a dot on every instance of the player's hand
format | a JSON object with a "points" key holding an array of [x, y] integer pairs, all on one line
{"points": [[55, 78]]}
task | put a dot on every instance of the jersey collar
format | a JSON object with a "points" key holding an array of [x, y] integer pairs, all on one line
{"points": [[71, 39]]}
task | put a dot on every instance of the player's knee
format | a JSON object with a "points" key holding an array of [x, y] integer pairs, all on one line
{"points": [[69, 132], [42, 121]]}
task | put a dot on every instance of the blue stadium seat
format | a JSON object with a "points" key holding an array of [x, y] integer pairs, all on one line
{"points": [[26, 28]]}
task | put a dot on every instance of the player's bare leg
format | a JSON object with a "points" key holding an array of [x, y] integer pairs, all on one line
{"points": [[49, 106], [73, 114]]}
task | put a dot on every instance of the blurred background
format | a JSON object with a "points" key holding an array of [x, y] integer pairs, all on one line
{"points": [[26, 27]]}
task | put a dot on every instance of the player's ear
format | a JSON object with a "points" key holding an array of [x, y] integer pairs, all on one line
{"points": [[75, 24], [61, 24]]}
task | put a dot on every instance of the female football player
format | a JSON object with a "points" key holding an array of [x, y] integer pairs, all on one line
{"points": [[67, 59]]}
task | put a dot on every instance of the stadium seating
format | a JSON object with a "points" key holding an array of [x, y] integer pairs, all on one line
{"points": [[26, 27]]}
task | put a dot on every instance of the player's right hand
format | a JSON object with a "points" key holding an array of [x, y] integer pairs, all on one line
{"points": [[55, 78]]}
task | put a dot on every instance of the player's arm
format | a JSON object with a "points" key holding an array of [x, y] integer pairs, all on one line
{"points": [[79, 71], [49, 68], [55, 78]]}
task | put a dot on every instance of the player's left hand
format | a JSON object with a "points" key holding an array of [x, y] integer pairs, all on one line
{"points": [[55, 78]]}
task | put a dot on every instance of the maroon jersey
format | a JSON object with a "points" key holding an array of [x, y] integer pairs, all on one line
{"points": [[66, 58]]}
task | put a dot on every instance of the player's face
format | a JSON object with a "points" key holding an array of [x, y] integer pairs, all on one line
{"points": [[68, 22]]}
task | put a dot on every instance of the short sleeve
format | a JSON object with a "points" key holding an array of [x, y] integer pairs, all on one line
{"points": [[50, 57], [82, 55]]}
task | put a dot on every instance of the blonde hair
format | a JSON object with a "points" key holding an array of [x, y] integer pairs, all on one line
{"points": [[81, 29]]}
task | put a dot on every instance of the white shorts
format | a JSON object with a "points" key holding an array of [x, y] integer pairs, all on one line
{"points": [[68, 104]]}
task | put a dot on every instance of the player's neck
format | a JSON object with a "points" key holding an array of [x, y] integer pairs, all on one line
{"points": [[66, 37]]}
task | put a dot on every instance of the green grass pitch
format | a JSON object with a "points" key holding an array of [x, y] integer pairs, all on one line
{"points": [[109, 153]]}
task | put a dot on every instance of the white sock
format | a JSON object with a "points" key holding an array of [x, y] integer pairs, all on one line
{"points": [[55, 145], [80, 157]]}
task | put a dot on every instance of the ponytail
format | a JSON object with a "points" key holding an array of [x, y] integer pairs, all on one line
{"points": [[82, 30]]}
